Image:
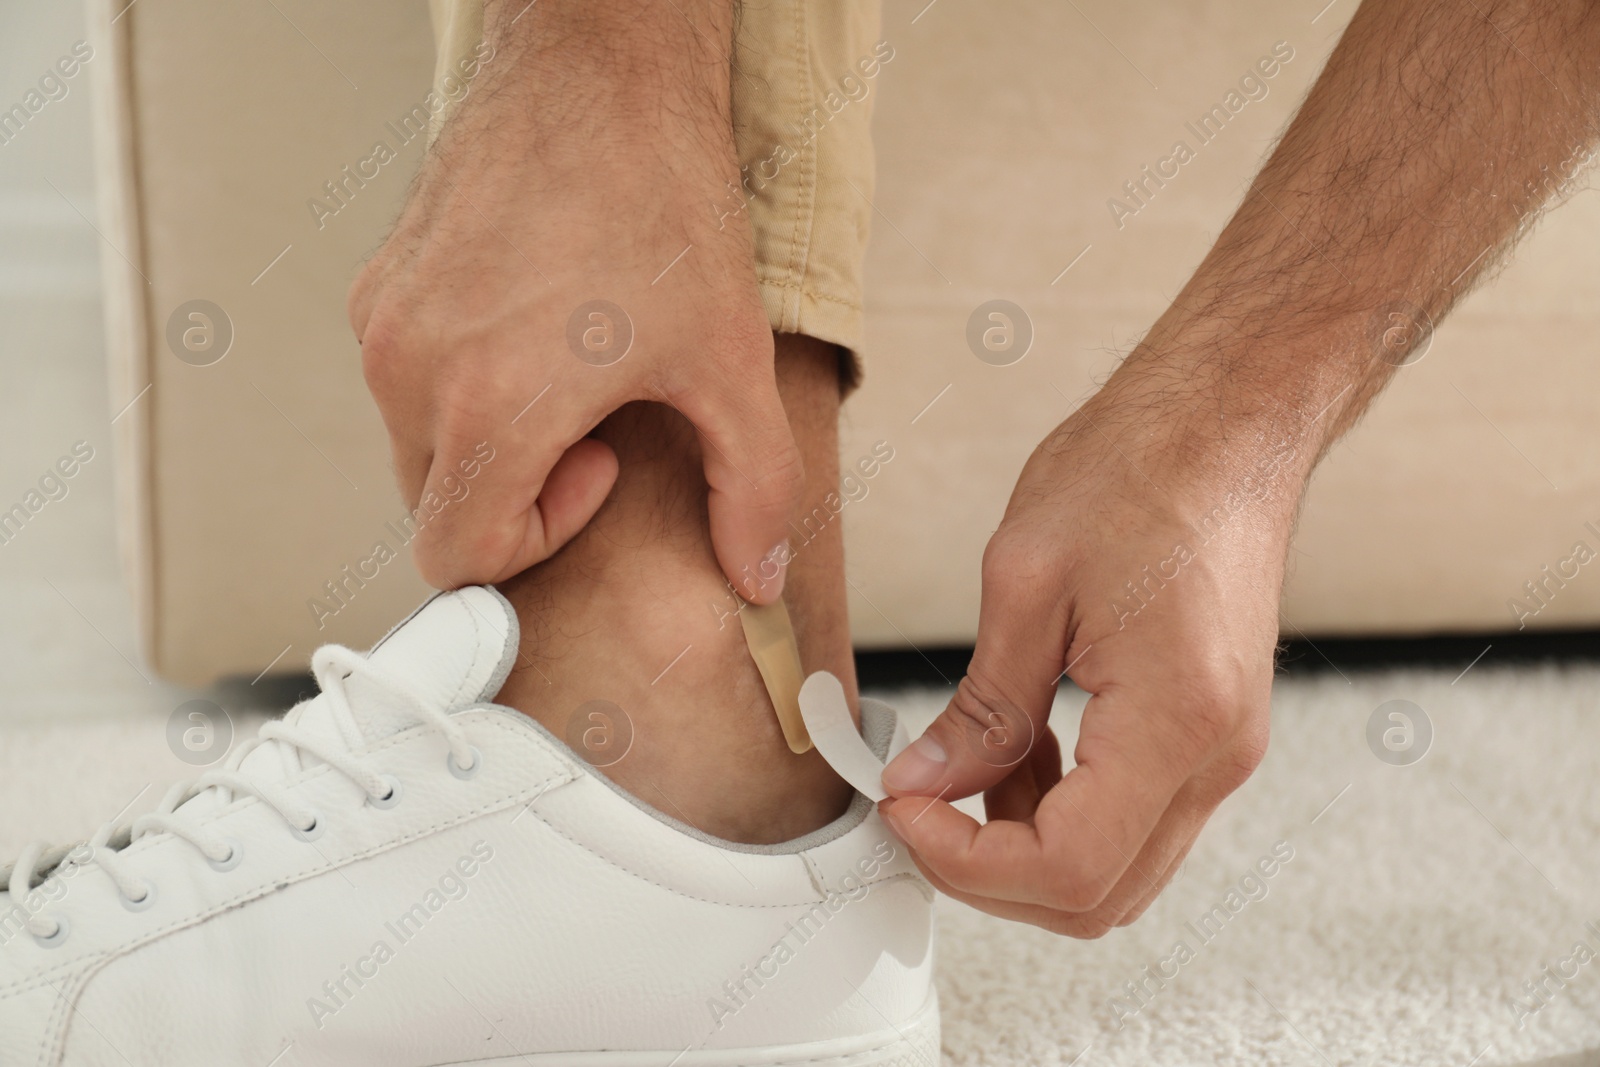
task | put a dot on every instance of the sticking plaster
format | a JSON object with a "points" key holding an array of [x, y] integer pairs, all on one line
{"points": [[770, 635], [834, 732]]}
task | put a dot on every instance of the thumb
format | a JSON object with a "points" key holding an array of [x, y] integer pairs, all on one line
{"points": [[1002, 706], [522, 510], [755, 475]]}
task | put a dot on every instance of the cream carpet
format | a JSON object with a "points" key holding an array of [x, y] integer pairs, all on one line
{"points": [[1417, 902]]}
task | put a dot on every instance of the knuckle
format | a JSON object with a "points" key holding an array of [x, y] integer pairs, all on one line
{"points": [[382, 346], [783, 475], [483, 545], [1211, 721], [1133, 914], [1250, 748], [745, 340], [1215, 706], [1081, 897], [1079, 927], [357, 301], [978, 709], [1243, 756], [450, 561], [1081, 892], [1015, 563], [431, 566], [769, 482]]}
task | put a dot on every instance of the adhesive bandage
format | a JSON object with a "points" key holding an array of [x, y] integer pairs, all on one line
{"points": [[833, 731], [770, 635]]}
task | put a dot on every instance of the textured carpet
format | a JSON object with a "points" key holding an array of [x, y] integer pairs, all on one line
{"points": [[1417, 902]]}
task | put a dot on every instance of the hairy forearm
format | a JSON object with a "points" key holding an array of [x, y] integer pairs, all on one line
{"points": [[611, 116], [1436, 133], [580, 85]]}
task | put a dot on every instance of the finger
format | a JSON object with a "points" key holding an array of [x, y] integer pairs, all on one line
{"points": [[360, 299], [756, 476], [1086, 831], [573, 491], [487, 529], [408, 412], [1153, 868], [1163, 880], [1055, 920], [1003, 702], [411, 467], [1175, 835], [946, 843], [1018, 794], [1017, 799]]}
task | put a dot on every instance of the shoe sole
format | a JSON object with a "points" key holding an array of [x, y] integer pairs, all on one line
{"points": [[913, 1044]]}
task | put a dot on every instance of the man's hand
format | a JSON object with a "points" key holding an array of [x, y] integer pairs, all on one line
{"points": [[592, 160], [1143, 550], [1160, 582]]}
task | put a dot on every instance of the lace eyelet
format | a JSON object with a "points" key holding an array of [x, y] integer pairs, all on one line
{"points": [[235, 854], [55, 939], [395, 789], [143, 902], [470, 769], [310, 833]]}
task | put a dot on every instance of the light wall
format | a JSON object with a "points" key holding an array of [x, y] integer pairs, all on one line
{"points": [[1003, 131]]}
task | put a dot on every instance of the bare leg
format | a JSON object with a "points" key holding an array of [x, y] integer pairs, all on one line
{"points": [[634, 610]]}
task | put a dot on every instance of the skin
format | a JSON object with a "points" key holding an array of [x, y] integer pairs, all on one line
{"points": [[463, 313], [647, 491], [1433, 136], [635, 611], [1436, 132]]}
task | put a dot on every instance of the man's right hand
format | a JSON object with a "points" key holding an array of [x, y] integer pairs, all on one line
{"points": [[1145, 564], [592, 160], [1192, 459]]}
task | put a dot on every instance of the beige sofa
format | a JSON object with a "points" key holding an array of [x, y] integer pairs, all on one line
{"points": [[1006, 133]]}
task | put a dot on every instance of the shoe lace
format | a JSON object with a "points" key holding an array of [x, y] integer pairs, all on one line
{"points": [[333, 666]]}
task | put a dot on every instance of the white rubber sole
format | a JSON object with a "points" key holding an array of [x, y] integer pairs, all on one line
{"points": [[912, 1044]]}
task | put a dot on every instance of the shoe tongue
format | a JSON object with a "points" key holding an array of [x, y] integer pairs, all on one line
{"points": [[453, 651]]}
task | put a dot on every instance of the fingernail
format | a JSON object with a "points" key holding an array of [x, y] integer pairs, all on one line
{"points": [[774, 568], [921, 765], [896, 828]]}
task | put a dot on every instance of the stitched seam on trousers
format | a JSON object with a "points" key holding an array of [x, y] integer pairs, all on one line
{"points": [[802, 69], [812, 294]]}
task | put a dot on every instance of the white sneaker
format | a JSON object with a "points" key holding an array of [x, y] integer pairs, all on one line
{"points": [[401, 874]]}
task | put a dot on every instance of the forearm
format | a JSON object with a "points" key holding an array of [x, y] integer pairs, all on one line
{"points": [[572, 215], [581, 89], [1436, 133]]}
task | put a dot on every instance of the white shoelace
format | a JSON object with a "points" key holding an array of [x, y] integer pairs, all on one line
{"points": [[332, 665]]}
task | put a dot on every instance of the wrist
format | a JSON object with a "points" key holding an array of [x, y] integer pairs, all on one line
{"points": [[618, 102], [1214, 426], [573, 67]]}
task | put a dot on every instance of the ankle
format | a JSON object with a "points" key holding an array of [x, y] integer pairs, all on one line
{"points": [[692, 731], [635, 611]]}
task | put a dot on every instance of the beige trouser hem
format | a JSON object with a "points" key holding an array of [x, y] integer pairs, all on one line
{"points": [[805, 75]]}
